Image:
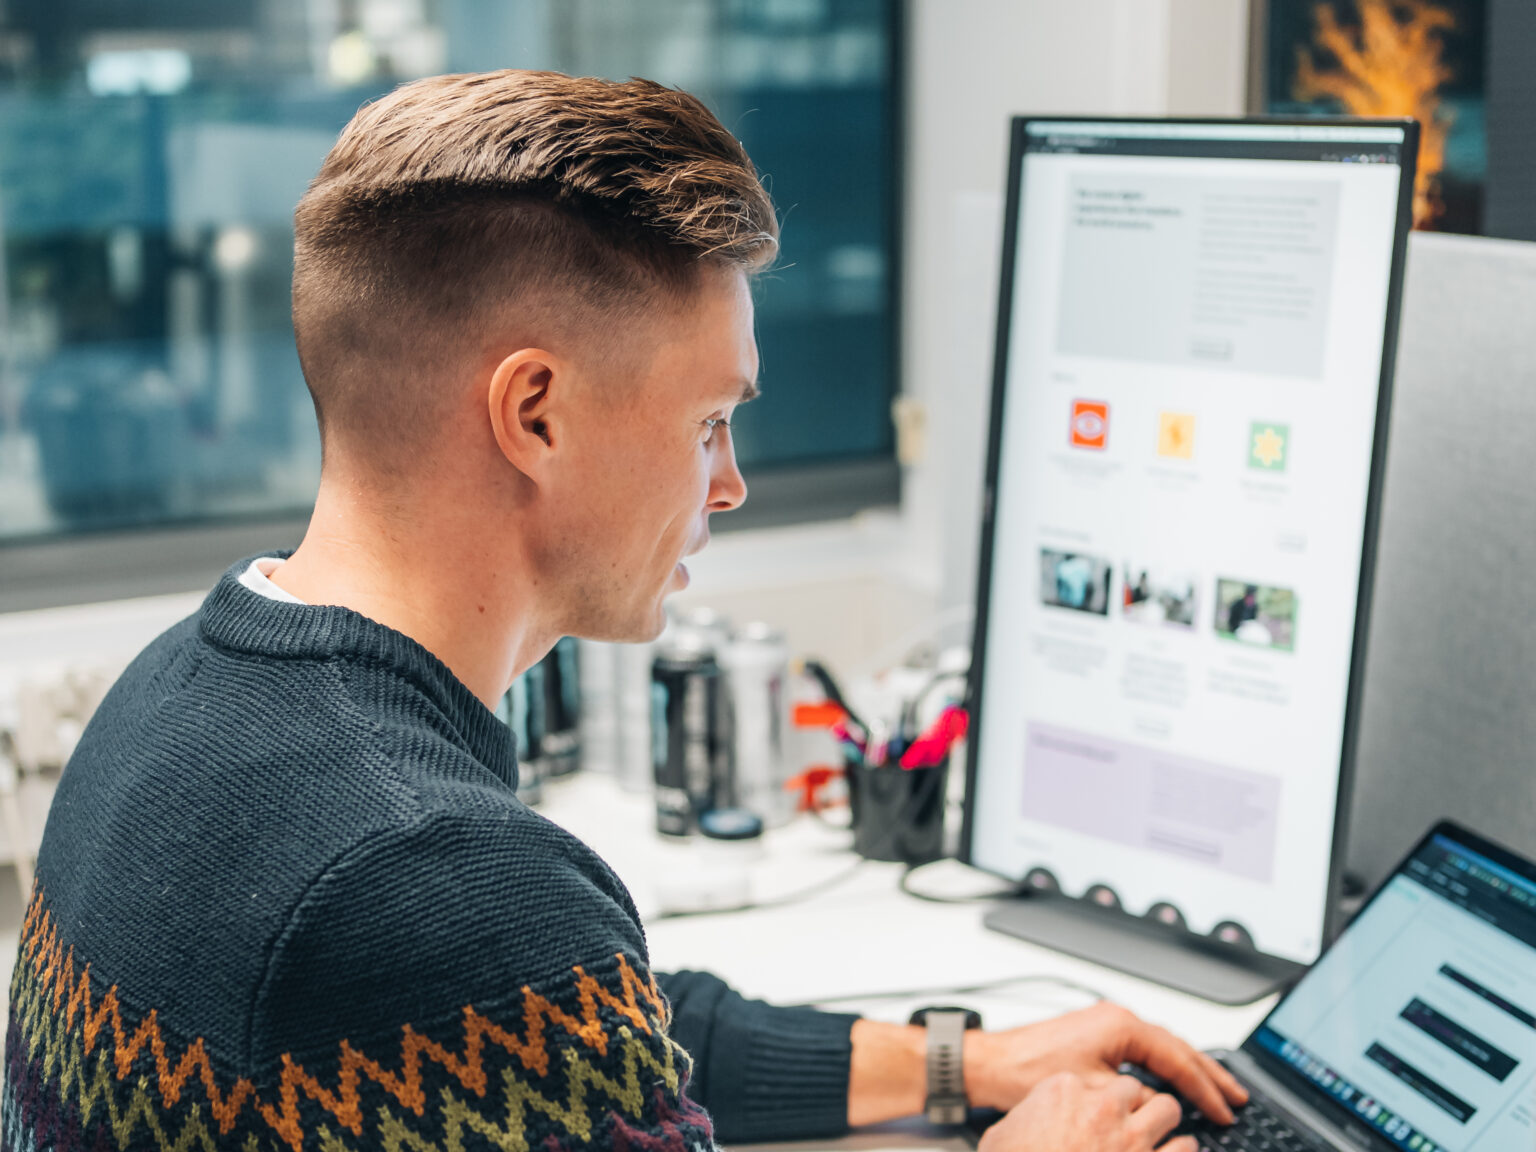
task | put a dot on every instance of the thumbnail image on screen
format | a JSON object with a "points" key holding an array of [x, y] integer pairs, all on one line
{"points": [[1075, 580], [1159, 596], [1256, 614]]}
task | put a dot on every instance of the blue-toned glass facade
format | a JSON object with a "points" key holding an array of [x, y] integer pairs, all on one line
{"points": [[152, 151]]}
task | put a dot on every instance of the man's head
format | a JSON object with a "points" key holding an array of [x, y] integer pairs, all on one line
{"points": [[539, 276]]}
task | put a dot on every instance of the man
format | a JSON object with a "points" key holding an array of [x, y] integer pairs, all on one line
{"points": [[286, 897]]}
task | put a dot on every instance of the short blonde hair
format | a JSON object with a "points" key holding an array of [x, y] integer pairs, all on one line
{"points": [[457, 201]]}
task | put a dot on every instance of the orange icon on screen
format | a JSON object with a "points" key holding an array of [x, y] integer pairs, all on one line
{"points": [[1176, 435], [1090, 424]]}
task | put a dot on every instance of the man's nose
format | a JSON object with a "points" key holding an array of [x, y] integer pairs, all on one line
{"points": [[726, 487]]}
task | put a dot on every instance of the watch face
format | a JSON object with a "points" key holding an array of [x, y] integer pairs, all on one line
{"points": [[972, 1018]]}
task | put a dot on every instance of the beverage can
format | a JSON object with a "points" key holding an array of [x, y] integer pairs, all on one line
{"points": [[707, 630], [517, 711], [756, 667], [599, 668], [632, 684], [560, 734], [688, 743], [710, 626], [543, 709]]}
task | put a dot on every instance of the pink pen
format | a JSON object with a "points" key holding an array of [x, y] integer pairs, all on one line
{"points": [[929, 749]]}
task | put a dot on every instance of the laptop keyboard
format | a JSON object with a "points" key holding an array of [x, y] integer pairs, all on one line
{"points": [[1258, 1128], [1259, 1125]]}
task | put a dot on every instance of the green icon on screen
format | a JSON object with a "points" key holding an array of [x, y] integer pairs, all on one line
{"points": [[1268, 446]]}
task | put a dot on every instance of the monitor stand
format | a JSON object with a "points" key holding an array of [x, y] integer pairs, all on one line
{"points": [[1156, 952]]}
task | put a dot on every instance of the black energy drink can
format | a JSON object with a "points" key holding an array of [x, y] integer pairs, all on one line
{"points": [[687, 731], [543, 710], [560, 738], [520, 710]]}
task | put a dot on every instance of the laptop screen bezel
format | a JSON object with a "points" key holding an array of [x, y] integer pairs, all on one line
{"points": [[1354, 690], [1314, 1095]]}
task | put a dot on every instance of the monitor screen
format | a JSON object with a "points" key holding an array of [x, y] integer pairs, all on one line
{"points": [[1181, 490], [1420, 1021]]}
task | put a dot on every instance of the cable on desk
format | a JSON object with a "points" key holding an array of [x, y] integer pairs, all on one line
{"points": [[980, 898], [805, 893], [958, 990]]}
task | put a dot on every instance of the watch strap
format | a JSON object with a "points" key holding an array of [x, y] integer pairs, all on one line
{"points": [[946, 1103]]}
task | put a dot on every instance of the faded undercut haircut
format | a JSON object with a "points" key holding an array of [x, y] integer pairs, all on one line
{"points": [[458, 205]]}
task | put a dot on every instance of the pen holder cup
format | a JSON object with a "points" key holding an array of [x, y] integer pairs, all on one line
{"points": [[898, 813]]}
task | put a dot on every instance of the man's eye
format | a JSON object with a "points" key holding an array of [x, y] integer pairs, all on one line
{"points": [[715, 422]]}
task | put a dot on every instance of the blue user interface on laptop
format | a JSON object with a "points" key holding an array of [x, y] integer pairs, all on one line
{"points": [[1420, 1021]]}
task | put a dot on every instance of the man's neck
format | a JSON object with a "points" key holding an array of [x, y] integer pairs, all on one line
{"points": [[420, 580]]}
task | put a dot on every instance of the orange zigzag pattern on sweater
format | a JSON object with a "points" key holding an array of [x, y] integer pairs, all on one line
{"points": [[71, 992]]}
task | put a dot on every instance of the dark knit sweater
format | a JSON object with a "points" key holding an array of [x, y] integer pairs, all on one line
{"points": [[287, 900]]}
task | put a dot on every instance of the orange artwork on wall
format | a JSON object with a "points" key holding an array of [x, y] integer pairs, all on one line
{"points": [[1391, 65], [1419, 58]]}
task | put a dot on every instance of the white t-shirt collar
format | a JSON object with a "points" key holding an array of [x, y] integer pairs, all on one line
{"points": [[258, 578]]}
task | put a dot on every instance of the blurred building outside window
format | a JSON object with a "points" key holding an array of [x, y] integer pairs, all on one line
{"points": [[152, 151]]}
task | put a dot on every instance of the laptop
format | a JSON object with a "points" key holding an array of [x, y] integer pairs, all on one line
{"points": [[1416, 1030]]}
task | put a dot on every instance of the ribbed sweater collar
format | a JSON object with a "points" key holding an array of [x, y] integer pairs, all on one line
{"points": [[235, 618]]}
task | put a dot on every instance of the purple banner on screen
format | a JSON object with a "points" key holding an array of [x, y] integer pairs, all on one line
{"points": [[1149, 798]]}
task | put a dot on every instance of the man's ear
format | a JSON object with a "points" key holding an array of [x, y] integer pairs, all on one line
{"points": [[520, 403]]}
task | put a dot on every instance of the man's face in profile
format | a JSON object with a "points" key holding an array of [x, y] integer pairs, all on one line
{"points": [[650, 458]]}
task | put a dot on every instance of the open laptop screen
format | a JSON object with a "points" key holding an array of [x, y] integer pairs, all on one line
{"points": [[1421, 1019]]}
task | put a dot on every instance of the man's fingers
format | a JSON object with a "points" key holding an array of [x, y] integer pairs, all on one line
{"points": [[1128, 1091], [1157, 1117], [1176, 1062], [1180, 1144], [1231, 1087]]}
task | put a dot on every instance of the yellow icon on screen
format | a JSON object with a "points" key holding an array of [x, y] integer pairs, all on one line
{"points": [[1176, 435], [1267, 444]]}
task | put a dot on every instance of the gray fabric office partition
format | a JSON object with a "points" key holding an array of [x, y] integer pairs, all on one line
{"points": [[1448, 726], [1509, 194]]}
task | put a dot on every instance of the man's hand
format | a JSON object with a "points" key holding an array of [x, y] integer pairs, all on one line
{"points": [[1003, 1068], [1066, 1113]]}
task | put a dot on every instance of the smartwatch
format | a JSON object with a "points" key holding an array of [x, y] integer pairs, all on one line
{"points": [[946, 1102]]}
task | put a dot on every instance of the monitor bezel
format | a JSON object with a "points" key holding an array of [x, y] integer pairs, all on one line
{"points": [[1282, 1072], [1011, 257]]}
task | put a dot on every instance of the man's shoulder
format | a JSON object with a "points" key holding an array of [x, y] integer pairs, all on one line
{"points": [[324, 840], [464, 905]]}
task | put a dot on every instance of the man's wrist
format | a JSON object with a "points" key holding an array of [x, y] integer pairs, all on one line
{"points": [[888, 1072], [976, 1068]]}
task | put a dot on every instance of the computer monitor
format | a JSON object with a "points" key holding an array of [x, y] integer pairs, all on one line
{"points": [[1194, 358]]}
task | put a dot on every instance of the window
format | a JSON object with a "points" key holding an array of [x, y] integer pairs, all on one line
{"points": [[151, 153]]}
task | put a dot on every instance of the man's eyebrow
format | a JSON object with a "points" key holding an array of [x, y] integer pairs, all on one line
{"points": [[749, 391]]}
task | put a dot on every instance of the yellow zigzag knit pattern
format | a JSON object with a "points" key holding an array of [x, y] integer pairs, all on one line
{"points": [[130, 1076]]}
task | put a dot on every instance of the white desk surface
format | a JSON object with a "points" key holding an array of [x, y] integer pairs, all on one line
{"points": [[861, 937]]}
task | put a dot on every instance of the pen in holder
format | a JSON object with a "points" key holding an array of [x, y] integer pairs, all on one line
{"points": [[898, 813]]}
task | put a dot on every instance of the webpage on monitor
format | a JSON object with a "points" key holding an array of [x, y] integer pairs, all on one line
{"points": [[1193, 369]]}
